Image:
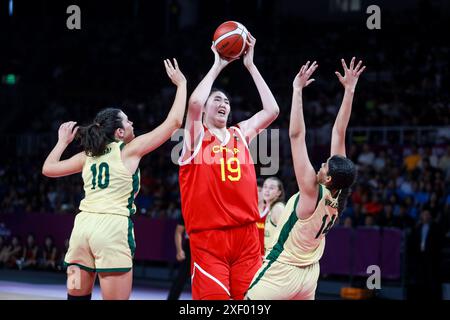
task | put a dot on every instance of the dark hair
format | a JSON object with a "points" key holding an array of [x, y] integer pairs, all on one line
{"points": [[95, 137], [343, 175], [216, 89], [281, 188]]}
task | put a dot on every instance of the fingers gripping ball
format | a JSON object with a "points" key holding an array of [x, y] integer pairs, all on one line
{"points": [[230, 39]]}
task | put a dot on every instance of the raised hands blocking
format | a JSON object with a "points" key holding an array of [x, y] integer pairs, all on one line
{"points": [[351, 75], [174, 72], [302, 78]]}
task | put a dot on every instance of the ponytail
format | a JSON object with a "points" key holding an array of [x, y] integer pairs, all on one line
{"points": [[342, 199], [95, 137]]}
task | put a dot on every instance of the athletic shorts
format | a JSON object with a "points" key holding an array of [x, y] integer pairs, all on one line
{"points": [[279, 281], [101, 242], [223, 262]]}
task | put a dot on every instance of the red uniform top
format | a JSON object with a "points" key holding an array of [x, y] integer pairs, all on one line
{"points": [[218, 183]]}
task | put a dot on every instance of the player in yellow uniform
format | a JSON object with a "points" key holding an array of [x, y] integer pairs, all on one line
{"points": [[273, 195], [102, 239], [291, 268]]}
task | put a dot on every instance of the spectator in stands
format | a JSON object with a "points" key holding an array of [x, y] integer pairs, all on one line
{"points": [[411, 208], [11, 253], [386, 218], [430, 157], [358, 216], [49, 257], [357, 194], [348, 222], [411, 161], [405, 188], [173, 211], [366, 157], [444, 163], [403, 220], [369, 221], [29, 254], [380, 161], [426, 251], [373, 207]]}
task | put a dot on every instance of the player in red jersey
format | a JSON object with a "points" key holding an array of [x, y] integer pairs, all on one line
{"points": [[218, 186]]}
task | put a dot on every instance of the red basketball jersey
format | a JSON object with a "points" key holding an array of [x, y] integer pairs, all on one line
{"points": [[218, 183]]}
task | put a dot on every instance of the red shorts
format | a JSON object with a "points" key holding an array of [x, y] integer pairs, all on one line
{"points": [[223, 262]]}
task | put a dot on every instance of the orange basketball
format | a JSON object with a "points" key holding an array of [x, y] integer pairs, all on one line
{"points": [[230, 39]]}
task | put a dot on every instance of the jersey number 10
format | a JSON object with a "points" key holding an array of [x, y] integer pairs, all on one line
{"points": [[102, 177]]}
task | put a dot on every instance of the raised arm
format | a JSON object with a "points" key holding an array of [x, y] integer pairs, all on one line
{"points": [[148, 142], [304, 171], [349, 81], [54, 167], [198, 99], [262, 119]]}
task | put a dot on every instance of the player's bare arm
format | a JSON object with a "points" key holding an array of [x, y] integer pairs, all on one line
{"points": [[55, 167], [143, 144], [179, 231], [261, 120], [304, 171], [198, 98], [349, 81]]}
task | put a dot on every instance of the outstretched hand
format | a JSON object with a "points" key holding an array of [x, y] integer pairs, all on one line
{"points": [[174, 72], [302, 78], [66, 132], [351, 75]]}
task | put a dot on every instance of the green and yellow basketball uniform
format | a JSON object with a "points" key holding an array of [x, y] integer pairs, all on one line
{"points": [[291, 269], [269, 230], [102, 238]]}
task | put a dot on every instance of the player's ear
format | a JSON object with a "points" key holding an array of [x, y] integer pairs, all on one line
{"points": [[119, 133], [328, 179]]}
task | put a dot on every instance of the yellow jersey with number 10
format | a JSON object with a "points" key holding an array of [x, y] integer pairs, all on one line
{"points": [[108, 186]]}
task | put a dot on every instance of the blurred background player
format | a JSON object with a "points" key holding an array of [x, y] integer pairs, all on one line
{"points": [[102, 239], [183, 257], [218, 186], [273, 195], [291, 268]]}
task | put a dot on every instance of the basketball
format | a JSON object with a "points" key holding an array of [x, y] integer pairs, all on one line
{"points": [[230, 39]]}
